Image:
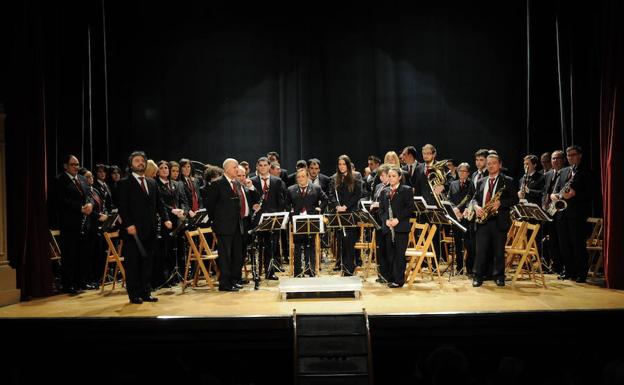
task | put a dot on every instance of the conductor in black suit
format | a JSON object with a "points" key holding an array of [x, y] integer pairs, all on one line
{"points": [[139, 202], [301, 199], [491, 234], [396, 205], [227, 207]]}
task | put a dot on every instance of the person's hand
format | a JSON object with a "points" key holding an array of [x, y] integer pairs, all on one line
{"points": [[465, 213], [102, 217], [256, 207], [87, 209], [341, 209], [569, 194], [374, 205], [168, 225], [132, 230], [521, 194], [249, 184], [479, 211], [496, 205], [554, 197], [438, 189], [191, 213], [458, 213], [394, 222]]}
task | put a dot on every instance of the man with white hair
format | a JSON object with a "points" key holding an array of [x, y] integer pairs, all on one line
{"points": [[227, 207]]}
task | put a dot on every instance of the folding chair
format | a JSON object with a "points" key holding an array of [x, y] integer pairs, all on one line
{"points": [[198, 252], [524, 252], [368, 248], [113, 256], [424, 249], [594, 246]]}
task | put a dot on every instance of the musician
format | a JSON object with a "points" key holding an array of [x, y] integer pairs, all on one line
{"points": [[227, 207], [276, 170], [272, 190], [273, 156], [382, 261], [491, 234], [244, 164], [396, 205], [372, 180], [301, 199], [102, 188], [480, 168], [551, 177], [172, 196], [114, 177], [316, 177], [575, 187], [252, 197], [451, 174], [151, 169], [94, 247], [345, 194], [410, 173], [191, 186], [532, 182], [292, 178], [546, 161], [421, 185], [74, 206], [460, 194], [139, 202]]}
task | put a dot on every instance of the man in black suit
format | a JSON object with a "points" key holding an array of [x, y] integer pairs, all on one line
{"points": [[575, 187], [192, 186], [102, 188], [372, 179], [396, 205], [421, 179], [480, 168], [316, 177], [74, 205], [460, 194], [139, 202], [227, 207], [551, 178], [272, 190], [532, 182], [410, 170], [491, 234], [301, 199]]}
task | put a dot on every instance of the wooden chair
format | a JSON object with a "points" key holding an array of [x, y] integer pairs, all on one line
{"points": [[55, 250], [515, 227], [368, 248], [113, 256], [424, 249], [198, 252], [594, 246], [524, 253]]}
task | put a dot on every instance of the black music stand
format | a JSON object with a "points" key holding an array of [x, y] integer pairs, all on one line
{"points": [[526, 211], [269, 223], [308, 225], [109, 224]]}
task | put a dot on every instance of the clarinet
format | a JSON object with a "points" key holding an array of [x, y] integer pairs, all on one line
{"points": [[344, 232], [391, 216]]}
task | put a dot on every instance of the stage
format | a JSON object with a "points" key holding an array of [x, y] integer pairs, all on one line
{"points": [[424, 297]]}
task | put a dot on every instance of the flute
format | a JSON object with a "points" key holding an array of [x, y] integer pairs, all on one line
{"points": [[391, 216], [344, 232]]}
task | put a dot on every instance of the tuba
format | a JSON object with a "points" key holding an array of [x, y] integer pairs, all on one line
{"points": [[437, 177]]}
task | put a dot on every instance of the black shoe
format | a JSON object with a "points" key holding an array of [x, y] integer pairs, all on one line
{"points": [[500, 282], [477, 282], [228, 289], [272, 277], [256, 285], [393, 285], [238, 286], [581, 280], [136, 300], [149, 298]]}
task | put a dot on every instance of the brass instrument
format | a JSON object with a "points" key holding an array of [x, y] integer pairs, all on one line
{"points": [[560, 204], [488, 209], [471, 211], [437, 177]]}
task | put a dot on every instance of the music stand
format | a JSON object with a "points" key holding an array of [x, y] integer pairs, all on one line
{"points": [[272, 222], [343, 220], [366, 217], [365, 205], [108, 225], [529, 212], [308, 225]]}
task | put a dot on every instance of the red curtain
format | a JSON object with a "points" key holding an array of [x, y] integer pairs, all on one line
{"points": [[611, 130]]}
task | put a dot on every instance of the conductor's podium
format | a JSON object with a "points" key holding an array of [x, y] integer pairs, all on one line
{"points": [[320, 287]]}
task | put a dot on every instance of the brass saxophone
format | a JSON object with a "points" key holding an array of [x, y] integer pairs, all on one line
{"points": [[488, 209]]}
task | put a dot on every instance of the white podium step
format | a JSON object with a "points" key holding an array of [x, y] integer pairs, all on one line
{"points": [[313, 287]]}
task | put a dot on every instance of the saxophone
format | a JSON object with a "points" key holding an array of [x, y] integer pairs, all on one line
{"points": [[560, 204], [488, 209]]}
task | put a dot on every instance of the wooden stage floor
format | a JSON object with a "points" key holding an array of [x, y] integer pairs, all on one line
{"points": [[425, 297]]}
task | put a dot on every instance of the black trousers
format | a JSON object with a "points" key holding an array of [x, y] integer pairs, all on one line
{"points": [[490, 245], [395, 254], [347, 249], [138, 267], [382, 259], [551, 245], [230, 249], [304, 249], [271, 250], [572, 234], [74, 264]]}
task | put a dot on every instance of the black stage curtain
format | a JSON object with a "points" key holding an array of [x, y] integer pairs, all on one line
{"points": [[209, 81]]}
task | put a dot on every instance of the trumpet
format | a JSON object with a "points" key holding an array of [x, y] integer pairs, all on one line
{"points": [[488, 209]]}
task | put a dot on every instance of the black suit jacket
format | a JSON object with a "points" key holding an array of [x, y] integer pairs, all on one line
{"points": [[579, 206], [104, 194], [274, 201], [402, 205], [189, 194], [411, 180], [173, 195], [223, 206], [70, 201], [324, 182], [550, 180], [474, 177], [535, 183], [314, 197], [421, 186], [457, 193], [140, 209], [347, 198], [509, 197]]}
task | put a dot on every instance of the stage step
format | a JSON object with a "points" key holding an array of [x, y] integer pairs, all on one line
{"points": [[332, 349]]}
